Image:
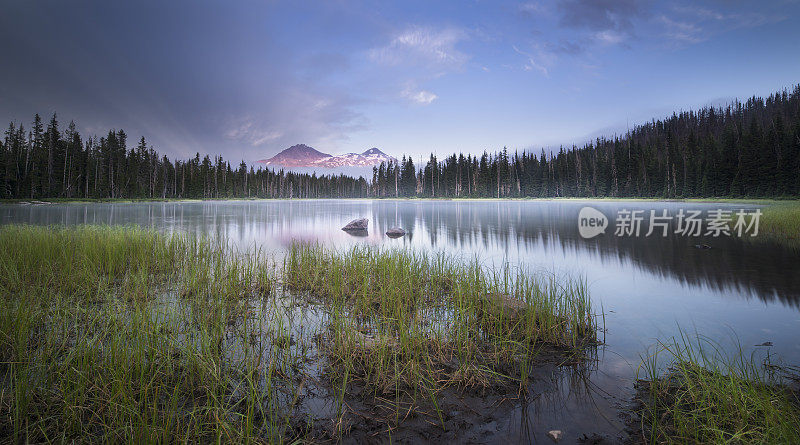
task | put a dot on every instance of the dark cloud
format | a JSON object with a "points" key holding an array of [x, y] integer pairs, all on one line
{"points": [[601, 15], [579, 27], [693, 24], [189, 75]]}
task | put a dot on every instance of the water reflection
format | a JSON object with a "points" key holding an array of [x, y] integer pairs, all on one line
{"points": [[529, 232], [524, 230]]}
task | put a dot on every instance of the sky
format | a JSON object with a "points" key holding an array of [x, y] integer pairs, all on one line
{"points": [[247, 79]]}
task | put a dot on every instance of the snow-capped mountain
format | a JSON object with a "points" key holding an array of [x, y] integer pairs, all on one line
{"points": [[302, 155]]}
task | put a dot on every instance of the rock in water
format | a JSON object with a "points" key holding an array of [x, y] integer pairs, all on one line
{"points": [[554, 434], [502, 306], [357, 224], [395, 232], [358, 233]]}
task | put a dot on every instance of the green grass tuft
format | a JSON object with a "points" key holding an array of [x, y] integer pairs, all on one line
{"points": [[708, 397], [411, 324], [781, 222], [97, 346]]}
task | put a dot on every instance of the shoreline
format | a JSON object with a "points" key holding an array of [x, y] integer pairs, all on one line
{"points": [[780, 220], [763, 201]]}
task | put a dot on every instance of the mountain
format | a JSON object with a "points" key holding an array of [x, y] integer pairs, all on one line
{"points": [[302, 155]]}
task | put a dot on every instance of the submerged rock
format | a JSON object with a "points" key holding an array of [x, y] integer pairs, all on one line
{"points": [[395, 232], [594, 439], [364, 341], [510, 314], [554, 434], [371, 342], [357, 224], [502, 304]]}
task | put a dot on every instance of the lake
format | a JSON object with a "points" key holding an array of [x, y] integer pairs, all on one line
{"points": [[729, 289]]}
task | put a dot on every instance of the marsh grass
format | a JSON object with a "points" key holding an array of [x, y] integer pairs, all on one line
{"points": [[781, 222], [129, 335], [407, 325], [124, 334], [706, 396]]}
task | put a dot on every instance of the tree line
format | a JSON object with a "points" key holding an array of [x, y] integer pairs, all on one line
{"points": [[44, 162], [749, 149]]}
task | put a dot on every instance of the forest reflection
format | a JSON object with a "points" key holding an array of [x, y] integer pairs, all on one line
{"points": [[742, 265], [527, 232]]}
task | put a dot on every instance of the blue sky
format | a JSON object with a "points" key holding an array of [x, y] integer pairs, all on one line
{"points": [[248, 79]]}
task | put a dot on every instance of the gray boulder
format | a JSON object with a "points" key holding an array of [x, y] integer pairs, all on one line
{"points": [[357, 224], [395, 232]]}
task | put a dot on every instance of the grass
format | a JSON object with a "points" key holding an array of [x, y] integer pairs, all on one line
{"points": [[706, 396], [96, 344], [126, 334], [123, 334], [405, 325], [781, 222]]}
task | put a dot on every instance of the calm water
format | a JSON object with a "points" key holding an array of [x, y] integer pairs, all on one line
{"points": [[647, 286]]}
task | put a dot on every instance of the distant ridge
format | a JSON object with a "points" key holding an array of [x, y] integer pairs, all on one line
{"points": [[302, 155]]}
